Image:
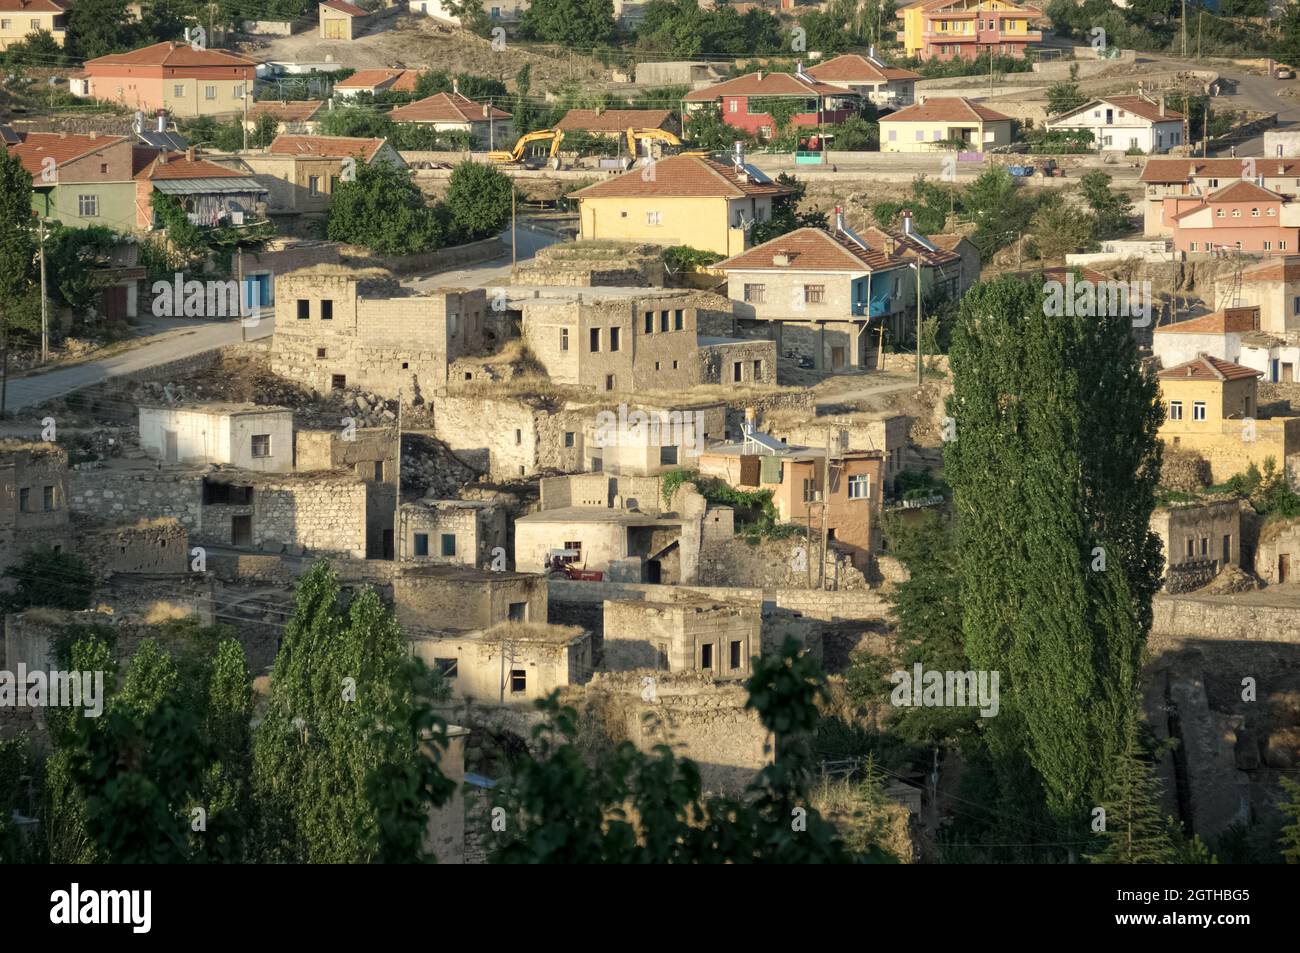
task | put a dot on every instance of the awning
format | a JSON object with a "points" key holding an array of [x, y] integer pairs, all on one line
{"points": [[208, 186]]}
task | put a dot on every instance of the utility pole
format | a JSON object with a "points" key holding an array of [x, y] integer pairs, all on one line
{"points": [[397, 486], [244, 304], [1184, 29], [826, 496], [514, 259], [45, 301], [918, 319]]}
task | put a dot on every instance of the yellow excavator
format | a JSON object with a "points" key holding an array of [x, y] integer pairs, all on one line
{"points": [[517, 154], [636, 136]]}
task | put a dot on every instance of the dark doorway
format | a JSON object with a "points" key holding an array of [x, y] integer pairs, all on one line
{"points": [[653, 571], [388, 544], [241, 530]]}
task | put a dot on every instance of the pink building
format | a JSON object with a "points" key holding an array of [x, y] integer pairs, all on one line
{"points": [[1242, 217], [739, 101]]}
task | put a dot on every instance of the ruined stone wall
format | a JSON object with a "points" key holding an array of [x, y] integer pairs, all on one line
{"points": [[159, 545], [756, 360], [320, 516], [26, 476], [774, 563], [360, 451], [507, 438], [432, 599], [135, 494], [639, 634]]}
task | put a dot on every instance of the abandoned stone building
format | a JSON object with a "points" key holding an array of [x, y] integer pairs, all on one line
{"points": [[1198, 540], [246, 435], [508, 436], [335, 329], [510, 663], [433, 599], [1277, 552], [886, 432], [457, 532], [688, 635], [645, 341], [370, 452], [650, 439], [33, 498], [145, 546]]}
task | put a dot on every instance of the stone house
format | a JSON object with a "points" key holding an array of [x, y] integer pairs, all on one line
{"points": [[459, 532], [1273, 287], [691, 635], [890, 434], [146, 546], [370, 452], [1198, 540], [299, 117], [1277, 552], [648, 440], [432, 599], [335, 329], [249, 436], [33, 499], [259, 267], [1212, 407], [513, 436], [511, 663], [301, 172]]}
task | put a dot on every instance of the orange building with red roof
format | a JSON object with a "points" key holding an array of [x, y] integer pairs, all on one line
{"points": [[186, 81], [740, 101], [1238, 217]]}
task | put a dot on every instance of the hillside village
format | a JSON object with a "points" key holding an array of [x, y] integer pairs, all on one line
{"points": [[570, 394]]}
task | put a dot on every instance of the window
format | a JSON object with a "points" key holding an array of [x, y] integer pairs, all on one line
{"points": [[379, 471], [663, 320], [339, 381], [313, 185], [754, 293], [261, 444], [860, 486], [1282, 245], [519, 437], [569, 437], [334, 184], [564, 339], [1205, 545], [103, 168], [893, 135], [814, 294], [449, 544], [446, 667], [1295, 305], [1191, 547], [178, 90], [674, 365], [609, 382], [23, 498], [518, 681], [1254, 213], [678, 321], [613, 338], [517, 612], [47, 498], [737, 372], [1193, 248], [706, 656], [1220, 214], [649, 322], [327, 309], [758, 370], [661, 655], [1236, 213], [809, 489], [575, 545], [1198, 410], [421, 544], [668, 456], [1268, 246], [595, 340], [209, 92], [732, 105], [1272, 212], [652, 218], [735, 655], [304, 309], [1175, 410], [237, 91], [87, 205], [920, 135]]}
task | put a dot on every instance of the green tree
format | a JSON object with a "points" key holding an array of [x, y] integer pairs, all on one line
{"points": [[17, 247], [577, 23], [634, 807], [383, 210], [1112, 211], [1053, 470], [786, 216], [478, 200], [1059, 228], [998, 209], [1063, 97], [1135, 830], [50, 579], [99, 27]]}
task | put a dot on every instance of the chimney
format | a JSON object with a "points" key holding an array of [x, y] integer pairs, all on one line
{"points": [[162, 157], [781, 259], [758, 76], [189, 154], [890, 245], [839, 218], [907, 221], [487, 111], [1162, 104], [749, 418], [738, 155], [455, 86], [599, 110], [162, 122], [93, 134]]}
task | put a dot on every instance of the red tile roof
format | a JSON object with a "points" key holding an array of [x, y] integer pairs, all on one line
{"points": [[36, 147], [1137, 105], [682, 176], [813, 249], [342, 6], [393, 80], [1203, 367], [1182, 170], [34, 6], [852, 68], [170, 53], [1220, 322], [299, 111], [613, 120], [945, 109], [763, 83], [1282, 268], [1244, 192], [179, 166], [933, 5], [906, 246], [335, 147], [445, 107]]}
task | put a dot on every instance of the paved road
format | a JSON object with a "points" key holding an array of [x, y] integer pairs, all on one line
{"points": [[170, 339]]}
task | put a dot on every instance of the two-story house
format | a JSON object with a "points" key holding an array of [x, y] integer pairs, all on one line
{"points": [[966, 29], [484, 124], [21, 18], [681, 200], [302, 172], [1123, 123], [885, 86], [1212, 408], [1196, 177], [175, 76], [210, 195], [79, 180], [746, 102], [939, 122], [1242, 217]]}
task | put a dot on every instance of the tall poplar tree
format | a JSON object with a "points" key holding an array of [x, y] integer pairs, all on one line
{"points": [[1053, 471]]}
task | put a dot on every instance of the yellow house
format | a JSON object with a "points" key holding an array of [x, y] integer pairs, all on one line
{"points": [[1212, 407], [937, 121], [682, 200], [19, 18], [966, 29], [338, 20]]}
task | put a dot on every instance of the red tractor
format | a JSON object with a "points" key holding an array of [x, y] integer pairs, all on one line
{"points": [[559, 564]]}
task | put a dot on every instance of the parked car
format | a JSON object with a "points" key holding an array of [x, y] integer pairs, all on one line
{"points": [[1283, 72]]}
